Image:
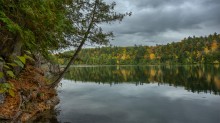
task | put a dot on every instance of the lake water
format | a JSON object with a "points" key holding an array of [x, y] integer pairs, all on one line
{"points": [[139, 94]]}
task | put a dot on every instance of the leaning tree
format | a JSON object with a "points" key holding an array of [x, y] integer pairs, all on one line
{"points": [[87, 17], [44, 26]]}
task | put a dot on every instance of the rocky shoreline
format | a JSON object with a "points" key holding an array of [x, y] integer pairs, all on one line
{"points": [[32, 96]]}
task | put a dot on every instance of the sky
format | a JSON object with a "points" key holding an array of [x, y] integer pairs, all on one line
{"points": [[163, 21]]}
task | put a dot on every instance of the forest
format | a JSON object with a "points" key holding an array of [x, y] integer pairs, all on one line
{"points": [[30, 32], [191, 50], [33, 32]]}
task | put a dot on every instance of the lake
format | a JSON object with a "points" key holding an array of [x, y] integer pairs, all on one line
{"points": [[138, 94]]}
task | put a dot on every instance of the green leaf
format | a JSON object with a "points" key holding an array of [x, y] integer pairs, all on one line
{"points": [[11, 74], [28, 57], [11, 92], [28, 52], [1, 74], [6, 85], [22, 59], [1, 59], [19, 63], [41, 94], [6, 66], [12, 85], [2, 90], [12, 64]]}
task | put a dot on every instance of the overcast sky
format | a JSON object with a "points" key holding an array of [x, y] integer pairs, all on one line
{"points": [[163, 21]]}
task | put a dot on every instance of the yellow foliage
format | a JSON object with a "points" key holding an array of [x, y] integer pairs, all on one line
{"points": [[125, 56], [198, 54], [118, 62], [60, 61], [216, 66], [217, 82], [152, 56], [200, 73], [152, 72], [209, 77], [125, 74], [214, 45], [206, 50]]}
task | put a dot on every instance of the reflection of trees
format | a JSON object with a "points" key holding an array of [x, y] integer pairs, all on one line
{"points": [[193, 78]]}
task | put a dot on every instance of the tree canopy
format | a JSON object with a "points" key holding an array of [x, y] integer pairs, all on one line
{"points": [[38, 26], [189, 51], [44, 26], [47, 25]]}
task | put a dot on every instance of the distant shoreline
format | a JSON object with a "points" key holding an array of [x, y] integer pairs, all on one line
{"points": [[62, 66]]}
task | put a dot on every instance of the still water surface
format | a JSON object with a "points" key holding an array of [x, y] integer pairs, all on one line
{"points": [[139, 94]]}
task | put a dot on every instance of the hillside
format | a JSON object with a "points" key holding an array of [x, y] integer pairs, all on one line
{"points": [[188, 51]]}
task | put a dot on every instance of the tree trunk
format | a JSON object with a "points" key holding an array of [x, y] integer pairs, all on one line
{"points": [[16, 52], [54, 84]]}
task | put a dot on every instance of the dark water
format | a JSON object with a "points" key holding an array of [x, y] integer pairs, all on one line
{"points": [[144, 94]]}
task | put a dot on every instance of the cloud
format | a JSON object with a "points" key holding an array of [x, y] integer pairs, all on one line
{"points": [[155, 20]]}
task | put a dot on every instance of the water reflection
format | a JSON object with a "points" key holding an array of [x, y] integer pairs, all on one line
{"points": [[127, 103], [130, 94], [197, 78]]}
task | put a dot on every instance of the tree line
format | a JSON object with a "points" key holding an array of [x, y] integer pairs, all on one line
{"points": [[190, 50]]}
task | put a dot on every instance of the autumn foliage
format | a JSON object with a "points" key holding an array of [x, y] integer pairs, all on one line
{"points": [[188, 51]]}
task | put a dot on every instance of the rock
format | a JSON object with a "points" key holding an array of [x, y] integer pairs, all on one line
{"points": [[32, 85], [53, 101], [2, 80], [2, 98], [54, 68], [1, 69]]}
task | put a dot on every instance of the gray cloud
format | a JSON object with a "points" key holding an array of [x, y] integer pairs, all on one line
{"points": [[154, 20]]}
